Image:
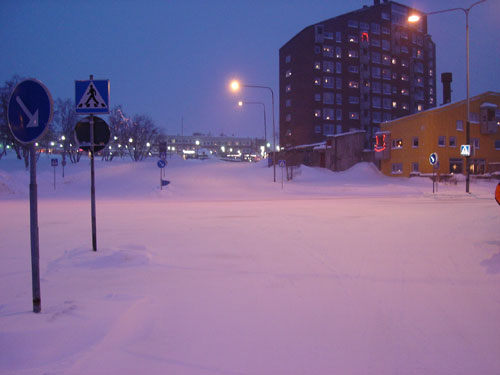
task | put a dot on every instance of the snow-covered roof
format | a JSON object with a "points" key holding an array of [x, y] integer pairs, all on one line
{"points": [[486, 104]]}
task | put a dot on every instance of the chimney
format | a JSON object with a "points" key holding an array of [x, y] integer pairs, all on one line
{"points": [[446, 79]]}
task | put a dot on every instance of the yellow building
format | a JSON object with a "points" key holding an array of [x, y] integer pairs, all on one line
{"points": [[404, 146]]}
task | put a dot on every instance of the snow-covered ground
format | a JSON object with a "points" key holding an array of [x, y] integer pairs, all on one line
{"points": [[225, 272]]}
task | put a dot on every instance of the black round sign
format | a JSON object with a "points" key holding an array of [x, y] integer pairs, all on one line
{"points": [[101, 133]]}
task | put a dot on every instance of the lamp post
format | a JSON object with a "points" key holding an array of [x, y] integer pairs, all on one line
{"points": [[241, 103], [416, 18], [235, 86]]}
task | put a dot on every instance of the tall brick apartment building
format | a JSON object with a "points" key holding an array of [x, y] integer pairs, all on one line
{"points": [[355, 71]]}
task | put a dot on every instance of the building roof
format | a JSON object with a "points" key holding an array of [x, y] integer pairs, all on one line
{"points": [[445, 107]]}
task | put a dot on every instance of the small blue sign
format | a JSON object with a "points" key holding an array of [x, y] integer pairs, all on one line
{"points": [[161, 163], [92, 96], [165, 182], [465, 150], [433, 158], [30, 110], [54, 162], [282, 163]]}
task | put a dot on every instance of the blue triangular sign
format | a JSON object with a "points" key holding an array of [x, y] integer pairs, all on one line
{"points": [[164, 182]]}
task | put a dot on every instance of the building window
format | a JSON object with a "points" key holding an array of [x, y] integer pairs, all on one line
{"points": [[353, 39], [474, 117], [452, 141], [497, 144], [353, 99], [317, 49], [364, 37], [397, 168], [405, 92], [375, 57], [376, 72], [386, 45], [386, 30], [354, 84], [317, 113], [317, 97], [420, 107], [338, 52], [414, 142], [353, 69], [352, 23], [288, 118], [456, 165], [386, 74], [328, 98], [288, 58], [338, 99], [288, 73], [385, 16], [376, 117], [364, 26], [404, 49], [375, 42], [397, 143], [386, 103], [442, 141], [386, 116], [328, 82], [288, 103], [339, 129], [317, 81], [317, 129], [327, 51], [338, 37], [386, 88], [328, 129], [338, 114], [328, 35], [414, 167], [317, 65], [404, 77], [376, 102], [288, 88], [328, 66], [394, 104], [376, 86], [338, 67], [338, 83], [375, 28], [353, 53], [354, 115], [386, 60], [475, 143], [405, 106], [328, 114]]}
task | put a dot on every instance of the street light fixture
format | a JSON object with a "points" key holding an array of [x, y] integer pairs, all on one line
{"points": [[415, 18], [241, 103], [235, 86]]}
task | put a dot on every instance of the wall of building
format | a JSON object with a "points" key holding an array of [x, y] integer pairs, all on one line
{"points": [[429, 126]]}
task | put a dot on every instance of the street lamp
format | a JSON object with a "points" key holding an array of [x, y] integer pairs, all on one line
{"points": [[240, 103], [235, 86], [415, 18]]}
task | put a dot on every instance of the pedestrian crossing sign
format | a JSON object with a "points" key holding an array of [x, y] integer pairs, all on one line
{"points": [[92, 96]]}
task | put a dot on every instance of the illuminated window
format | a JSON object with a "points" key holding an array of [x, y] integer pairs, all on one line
{"points": [[353, 39], [364, 37], [397, 143], [415, 142], [328, 51], [317, 113], [354, 84], [328, 66], [353, 53], [338, 52], [354, 115], [288, 73], [317, 65], [328, 113], [317, 81], [397, 168]]}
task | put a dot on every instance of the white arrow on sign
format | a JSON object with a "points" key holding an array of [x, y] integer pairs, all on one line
{"points": [[33, 123]]}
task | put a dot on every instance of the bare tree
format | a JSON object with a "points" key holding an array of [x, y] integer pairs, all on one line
{"points": [[65, 120]]}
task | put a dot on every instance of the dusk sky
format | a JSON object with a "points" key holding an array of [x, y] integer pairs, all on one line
{"points": [[174, 59]]}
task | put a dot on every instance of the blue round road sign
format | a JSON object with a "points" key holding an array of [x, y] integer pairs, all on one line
{"points": [[433, 158], [30, 110], [161, 163]]}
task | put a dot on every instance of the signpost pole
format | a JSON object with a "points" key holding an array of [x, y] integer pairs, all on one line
{"points": [[92, 183], [35, 257], [161, 182], [54, 177]]}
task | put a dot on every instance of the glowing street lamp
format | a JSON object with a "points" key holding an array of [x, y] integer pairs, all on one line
{"points": [[415, 18], [235, 87]]}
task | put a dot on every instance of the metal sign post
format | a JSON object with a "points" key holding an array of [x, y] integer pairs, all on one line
{"points": [[92, 97], [434, 161], [54, 163], [282, 164], [30, 110]]}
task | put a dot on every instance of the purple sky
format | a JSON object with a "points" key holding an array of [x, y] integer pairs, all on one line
{"points": [[173, 59]]}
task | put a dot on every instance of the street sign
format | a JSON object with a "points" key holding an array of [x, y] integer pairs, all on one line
{"points": [[465, 150], [54, 162], [161, 163], [433, 158], [282, 163], [30, 110], [92, 96], [101, 134]]}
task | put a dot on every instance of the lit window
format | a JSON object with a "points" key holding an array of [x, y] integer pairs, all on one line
{"points": [[328, 66], [415, 142], [420, 107], [317, 81], [397, 168], [353, 84], [328, 51], [353, 53], [338, 52], [328, 113], [354, 115], [364, 37], [288, 73], [317, 65], [317, 113], [353, 39], [394, 105], [397, 143], [405, 92]]}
